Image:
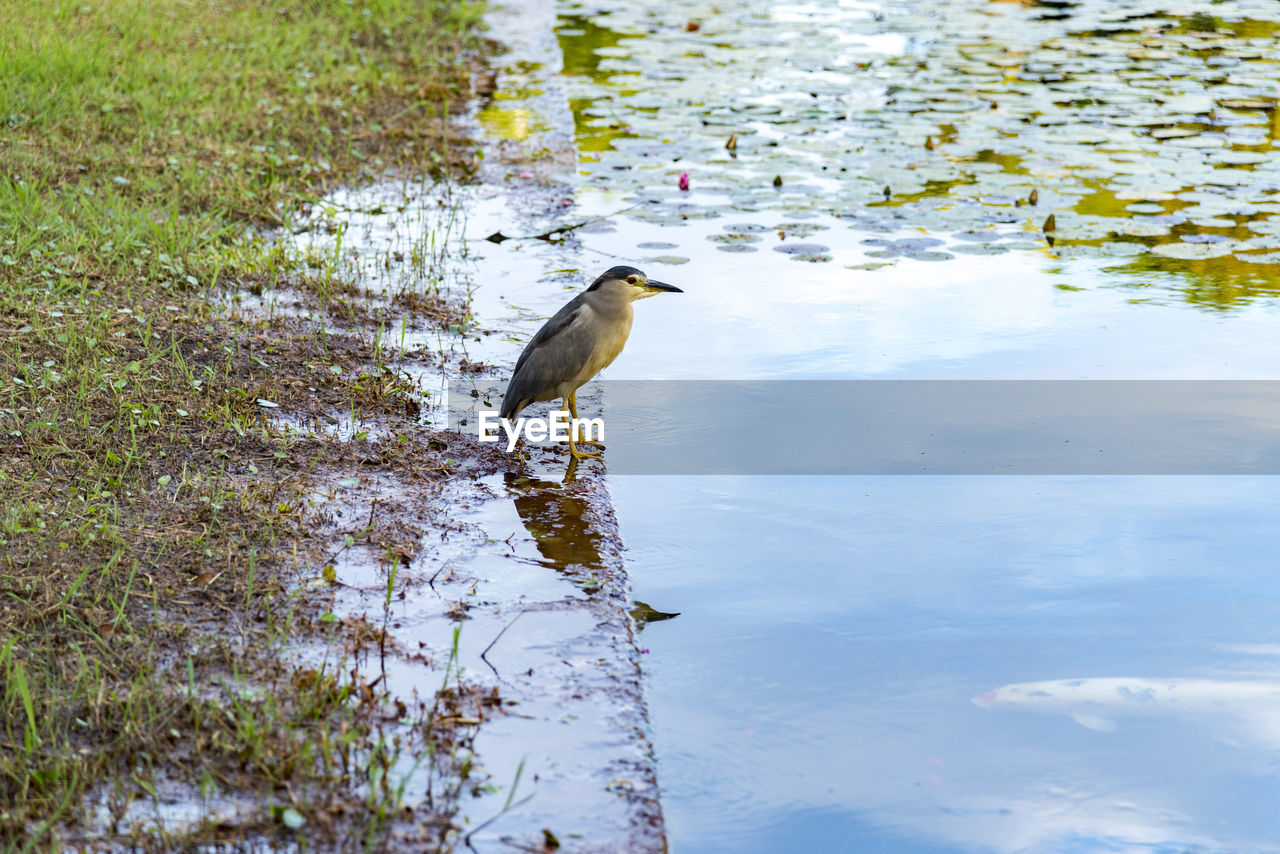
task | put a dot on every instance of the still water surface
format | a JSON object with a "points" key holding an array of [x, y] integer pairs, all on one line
{"points": [[827, 685]]}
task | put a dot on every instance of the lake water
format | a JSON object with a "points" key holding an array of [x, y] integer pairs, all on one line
{"points": [[828, 683]]}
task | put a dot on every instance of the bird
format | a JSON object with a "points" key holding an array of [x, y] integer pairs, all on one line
{"points": [[579, 341]]}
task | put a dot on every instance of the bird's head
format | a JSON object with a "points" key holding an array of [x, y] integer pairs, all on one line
{"points": [[629, 284]]}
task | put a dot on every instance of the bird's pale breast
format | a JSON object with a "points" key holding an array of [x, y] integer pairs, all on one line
{"points": [[612, 337]]}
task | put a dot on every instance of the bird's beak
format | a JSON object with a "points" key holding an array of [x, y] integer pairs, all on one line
{"points": [[662, 286]]}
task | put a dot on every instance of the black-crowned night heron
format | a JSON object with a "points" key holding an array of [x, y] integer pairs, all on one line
{"points": [[577, 343]]}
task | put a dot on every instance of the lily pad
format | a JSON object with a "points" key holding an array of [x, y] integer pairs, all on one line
{"points": [[977, 236], [1196, 251], [800, 229], [802, 248], [1145, 195], [1086, 226], [1264, 226], [906, 246], [1139, 228], [1247, 103], [978, 249]]}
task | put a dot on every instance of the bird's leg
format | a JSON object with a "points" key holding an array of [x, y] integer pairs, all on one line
{"points": [[578, 455], [573, 448], [572, 401]]}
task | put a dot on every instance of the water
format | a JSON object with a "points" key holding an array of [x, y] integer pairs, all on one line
{"points": [[816, 691]]}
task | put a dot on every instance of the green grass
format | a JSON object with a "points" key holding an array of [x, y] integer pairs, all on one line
{"points": [[144, 146]]}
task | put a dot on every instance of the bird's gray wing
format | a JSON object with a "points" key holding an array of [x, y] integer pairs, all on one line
{"points": [[559, 351], [556, 324]]}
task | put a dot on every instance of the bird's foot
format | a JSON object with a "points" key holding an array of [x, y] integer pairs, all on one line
{"points": [[589, 442], [584, 455]]}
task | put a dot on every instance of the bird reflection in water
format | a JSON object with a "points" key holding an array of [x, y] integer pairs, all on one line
{"points": [[560, 521]]}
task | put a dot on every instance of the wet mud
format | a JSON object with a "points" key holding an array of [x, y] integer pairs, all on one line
{"points": [[450, 559]]}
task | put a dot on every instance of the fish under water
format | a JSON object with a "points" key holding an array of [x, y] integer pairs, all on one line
{"points": [[1251, 706]]}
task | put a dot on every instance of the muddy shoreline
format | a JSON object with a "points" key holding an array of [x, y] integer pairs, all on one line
{"points": [[525, 565]]}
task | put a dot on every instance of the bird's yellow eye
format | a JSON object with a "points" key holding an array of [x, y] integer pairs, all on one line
{"points": [[631, 280]]}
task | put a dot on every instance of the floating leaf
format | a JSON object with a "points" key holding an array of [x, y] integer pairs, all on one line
{"points": [[801, 248], [1196, 251], [1143, 228], [1144, 195], [1247, 103], [978, 249], [1263, 258], [734, 238]]}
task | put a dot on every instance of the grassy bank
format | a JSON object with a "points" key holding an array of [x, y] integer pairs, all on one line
{"points": [[151, 512]]}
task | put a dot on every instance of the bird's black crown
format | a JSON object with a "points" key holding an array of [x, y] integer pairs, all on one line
{"points": [[619, 272]]}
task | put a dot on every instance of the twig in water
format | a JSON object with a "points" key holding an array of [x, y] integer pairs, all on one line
{"points": [[550, 236], [494, 641]]}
